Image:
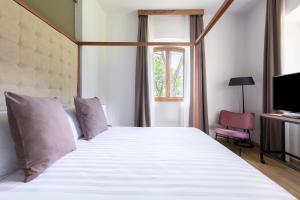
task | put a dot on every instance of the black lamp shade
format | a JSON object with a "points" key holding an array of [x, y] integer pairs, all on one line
{"points": [[241, 81]]}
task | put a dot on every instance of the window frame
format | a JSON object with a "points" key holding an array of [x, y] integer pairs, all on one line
{"points": [[168, 97]]}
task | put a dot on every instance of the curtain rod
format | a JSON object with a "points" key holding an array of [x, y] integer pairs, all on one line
{"points": [[172, 12]]}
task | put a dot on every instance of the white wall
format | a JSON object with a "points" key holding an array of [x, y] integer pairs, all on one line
{"points": [[254, 60], [235, 47], [108, 72], [91, 26], [167, 114], [291, 5], [225, 49], [120, 70]]}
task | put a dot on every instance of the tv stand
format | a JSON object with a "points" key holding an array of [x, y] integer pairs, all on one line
{"points": [[281, 119]]}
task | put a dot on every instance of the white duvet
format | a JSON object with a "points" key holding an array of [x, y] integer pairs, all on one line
{"points": [[146, 164]]}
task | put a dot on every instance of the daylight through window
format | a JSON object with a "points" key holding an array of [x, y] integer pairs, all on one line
{"points": [[168, 69]]}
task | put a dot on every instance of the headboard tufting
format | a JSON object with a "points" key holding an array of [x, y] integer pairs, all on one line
{"points": [[35, 59]]}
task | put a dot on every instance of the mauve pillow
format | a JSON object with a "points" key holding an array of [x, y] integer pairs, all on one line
{"points": [[40, 130], [91, 117]]}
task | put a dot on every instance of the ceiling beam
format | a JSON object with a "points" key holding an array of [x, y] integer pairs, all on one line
{"points": [[214, 20], [139, 44], [172, 12]]}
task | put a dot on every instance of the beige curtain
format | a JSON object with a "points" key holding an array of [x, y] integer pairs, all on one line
{"points": [[198, 104], [142, 105], [272, 67]]}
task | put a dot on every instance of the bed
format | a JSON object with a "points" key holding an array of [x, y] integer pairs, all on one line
{"points": [[146, 163], [122, 163]]}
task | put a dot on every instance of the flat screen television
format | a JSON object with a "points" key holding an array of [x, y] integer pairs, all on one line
{"points": [[286, 93]]}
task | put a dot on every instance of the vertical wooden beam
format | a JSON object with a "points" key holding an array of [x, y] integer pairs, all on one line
{"points": [[168, 73], [79, 73], [196, 88]]}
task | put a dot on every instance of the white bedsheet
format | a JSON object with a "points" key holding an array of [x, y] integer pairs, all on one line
{"points": [[146, 163]]}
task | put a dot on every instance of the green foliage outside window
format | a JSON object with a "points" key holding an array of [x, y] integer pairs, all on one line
{"points": [[159, 76], [174, 69]]}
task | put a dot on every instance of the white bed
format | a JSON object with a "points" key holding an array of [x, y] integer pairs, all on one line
{"points": [[146, 163]]}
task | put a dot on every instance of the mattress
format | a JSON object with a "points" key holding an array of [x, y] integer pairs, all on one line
{"points": [[126, 163]]}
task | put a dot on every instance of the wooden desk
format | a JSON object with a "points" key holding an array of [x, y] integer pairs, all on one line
{"points": [[283, 120]]}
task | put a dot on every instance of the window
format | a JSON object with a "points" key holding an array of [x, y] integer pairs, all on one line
{"points": [[292, 42], [168, 69]]}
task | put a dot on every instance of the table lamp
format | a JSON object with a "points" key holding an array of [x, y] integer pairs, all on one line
{"points": [[241, 81]]}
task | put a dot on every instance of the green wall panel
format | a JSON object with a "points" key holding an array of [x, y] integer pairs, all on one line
{"points": [[59, 12]]}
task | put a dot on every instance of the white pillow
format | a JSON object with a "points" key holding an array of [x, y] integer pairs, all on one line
{"points": [[104, 110], [8, 158], [105, 113], [77, 133]]}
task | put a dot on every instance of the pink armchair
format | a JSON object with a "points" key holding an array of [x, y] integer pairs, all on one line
{"points": [[236, 126]]}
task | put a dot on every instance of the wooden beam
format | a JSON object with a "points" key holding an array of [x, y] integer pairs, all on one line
{"points": [[178, 49], [168, 74], [41, 17], [79, 73], [168, 99], [214, 20], [135, 43], [172, 12]]}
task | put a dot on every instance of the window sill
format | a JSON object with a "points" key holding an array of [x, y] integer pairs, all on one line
{"points": [[169, 99]]}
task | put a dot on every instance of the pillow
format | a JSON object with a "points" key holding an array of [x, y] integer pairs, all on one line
{"points": [[91, 117], [105, 113], [77, 133], [40, 130], [8, 159]]}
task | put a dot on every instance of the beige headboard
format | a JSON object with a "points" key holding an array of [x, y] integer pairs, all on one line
{"points": [[35, 59]]}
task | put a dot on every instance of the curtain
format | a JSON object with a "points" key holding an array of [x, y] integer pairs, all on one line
{"points": [[142, 104], [272, 67], [198, 101]]}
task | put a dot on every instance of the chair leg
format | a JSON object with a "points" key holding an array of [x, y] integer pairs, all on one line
{"points": [[250, 141], [240, 151]]}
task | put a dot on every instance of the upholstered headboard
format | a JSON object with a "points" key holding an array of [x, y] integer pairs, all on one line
{"points": [[35, 59]]}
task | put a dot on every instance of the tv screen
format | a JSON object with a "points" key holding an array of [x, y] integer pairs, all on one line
{"points": [[286, 92]]}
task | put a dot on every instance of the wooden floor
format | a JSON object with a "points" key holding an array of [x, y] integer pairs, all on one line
{"points": [[286, 177]]}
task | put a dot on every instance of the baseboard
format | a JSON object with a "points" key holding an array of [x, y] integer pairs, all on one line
{"points": [[295, 161]]}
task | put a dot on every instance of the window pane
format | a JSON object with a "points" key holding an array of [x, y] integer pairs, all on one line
{"points": [[159, 71], [176, 73]]}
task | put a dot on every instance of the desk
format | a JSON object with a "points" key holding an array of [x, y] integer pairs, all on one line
{"points": [[282, 119]]}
